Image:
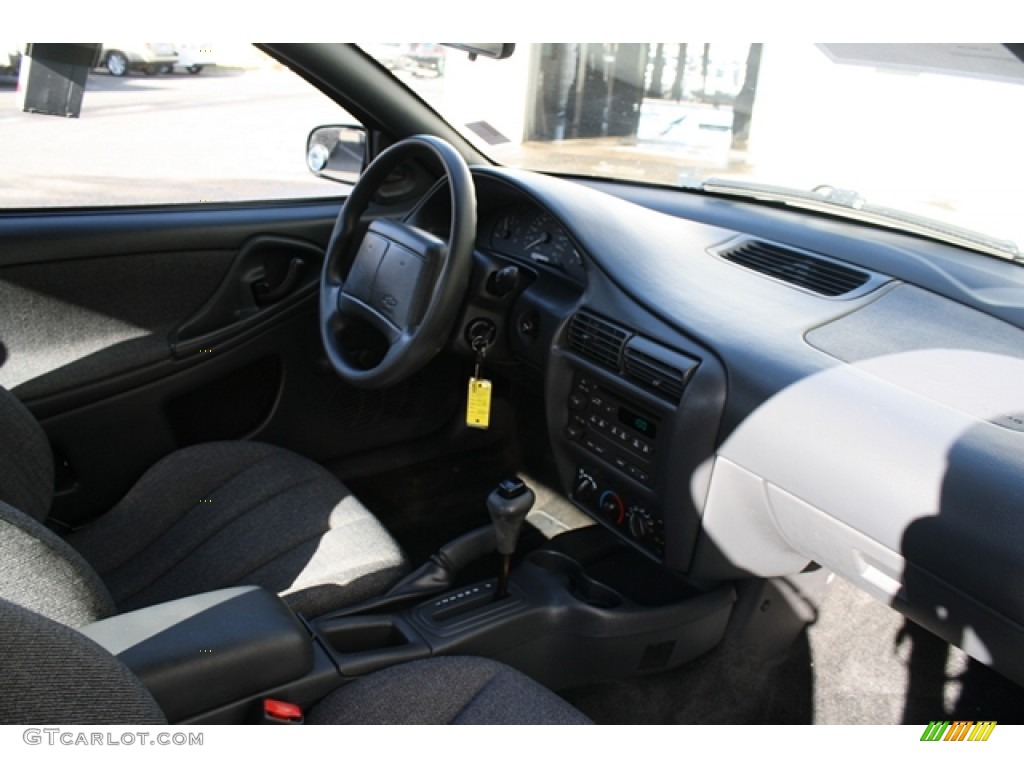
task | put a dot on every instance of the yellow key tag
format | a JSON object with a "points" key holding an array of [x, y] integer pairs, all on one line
{"points": [[478, 404]]}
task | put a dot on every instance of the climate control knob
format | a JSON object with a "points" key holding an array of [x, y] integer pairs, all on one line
{"points": [[611, 505], [585, 487], [639, 525]]}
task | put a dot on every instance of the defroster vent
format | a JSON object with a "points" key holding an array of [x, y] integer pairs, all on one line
{"points": [[805, 270], [597, 339]]}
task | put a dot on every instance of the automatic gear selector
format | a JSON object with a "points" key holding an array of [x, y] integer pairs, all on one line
{"points": [[508, 506]]}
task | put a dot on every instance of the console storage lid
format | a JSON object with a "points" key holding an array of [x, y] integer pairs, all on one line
{"points": [[210, 649]]}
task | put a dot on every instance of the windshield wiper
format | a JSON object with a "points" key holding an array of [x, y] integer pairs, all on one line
{"points": [[828, 199]]}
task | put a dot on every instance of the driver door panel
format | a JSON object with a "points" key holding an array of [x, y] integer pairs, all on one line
{"points": [[132, 334]]}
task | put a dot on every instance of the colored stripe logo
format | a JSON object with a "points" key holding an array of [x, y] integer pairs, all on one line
{"points": [[958, 730]]}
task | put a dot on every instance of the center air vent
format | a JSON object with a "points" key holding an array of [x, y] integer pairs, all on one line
{"points": [[597, 339], [658, 369], [809, 271]]}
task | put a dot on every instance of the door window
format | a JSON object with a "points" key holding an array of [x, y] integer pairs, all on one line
{"points": [[165, 124]]}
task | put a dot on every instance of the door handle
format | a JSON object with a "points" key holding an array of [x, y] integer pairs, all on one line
{"points": [[263, 294]]}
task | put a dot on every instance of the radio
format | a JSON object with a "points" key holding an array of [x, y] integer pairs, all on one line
{"points": [[613, 430]]}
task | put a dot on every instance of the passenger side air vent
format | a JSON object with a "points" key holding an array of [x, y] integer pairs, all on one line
{"points": [[596, 339], [658, 369], [809, 271]]}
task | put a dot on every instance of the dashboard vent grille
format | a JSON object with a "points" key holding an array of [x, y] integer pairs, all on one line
{"points": [[667, 380], [809, 271], [597, 339]]}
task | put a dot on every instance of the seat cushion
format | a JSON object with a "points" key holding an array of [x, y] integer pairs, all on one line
{"points": [[225, 514], [456, 690]]}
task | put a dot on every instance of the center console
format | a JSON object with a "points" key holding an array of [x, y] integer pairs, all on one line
{"points": [[583, 607], [632, 422], [623, 436]]}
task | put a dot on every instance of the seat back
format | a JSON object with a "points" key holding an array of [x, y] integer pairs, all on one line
{"points": [[26, 461], [40, 571], [52, 674]]}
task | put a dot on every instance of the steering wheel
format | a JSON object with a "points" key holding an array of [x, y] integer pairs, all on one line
{"points": [[401, 281]]}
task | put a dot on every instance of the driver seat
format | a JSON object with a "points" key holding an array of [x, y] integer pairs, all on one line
{"points": [[205, 517]]}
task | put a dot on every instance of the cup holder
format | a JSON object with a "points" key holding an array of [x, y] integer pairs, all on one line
{"points": [[579, 585], [359, 645], [364, 634]]}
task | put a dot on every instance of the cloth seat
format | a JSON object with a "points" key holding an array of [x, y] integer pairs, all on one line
{"points": [[51, 674], [203, 518], [445, 690]]}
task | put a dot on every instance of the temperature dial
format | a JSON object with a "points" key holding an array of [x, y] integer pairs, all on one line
{"points": [[612, 506]]}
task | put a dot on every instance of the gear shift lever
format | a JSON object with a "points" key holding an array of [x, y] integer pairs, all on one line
{"points": [[508, 506]]}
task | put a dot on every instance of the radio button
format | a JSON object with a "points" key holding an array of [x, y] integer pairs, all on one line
{"points": [[639, 474]]}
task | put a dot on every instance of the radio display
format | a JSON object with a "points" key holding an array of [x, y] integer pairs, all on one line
{"points": [[641, 424]]}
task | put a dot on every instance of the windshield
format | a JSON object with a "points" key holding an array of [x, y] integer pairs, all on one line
{"points": [[926, 129]]}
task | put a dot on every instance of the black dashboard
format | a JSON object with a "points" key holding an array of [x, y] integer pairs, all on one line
{"points": [[740, 390]]}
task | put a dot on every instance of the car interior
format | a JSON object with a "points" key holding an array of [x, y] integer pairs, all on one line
{"points": [[481, 444]]}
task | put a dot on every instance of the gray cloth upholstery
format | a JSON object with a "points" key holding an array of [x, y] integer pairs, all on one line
{"points": [[225, 514], [206, 517], [40, 571], [51, 674], [445, 690], [26, 462]]}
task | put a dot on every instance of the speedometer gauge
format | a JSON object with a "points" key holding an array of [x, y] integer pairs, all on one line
{"points": [[536, 235], [542, 240]]}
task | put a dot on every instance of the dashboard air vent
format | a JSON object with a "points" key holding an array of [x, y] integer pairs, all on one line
{"points": [[655, 374], [597, 339], [805, 270], [658, 369]]}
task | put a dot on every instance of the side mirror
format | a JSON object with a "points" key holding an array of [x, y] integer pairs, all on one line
{"points": [[337, 152]]}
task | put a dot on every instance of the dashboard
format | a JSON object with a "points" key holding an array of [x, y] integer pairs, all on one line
{"points": [[739, 390]]}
